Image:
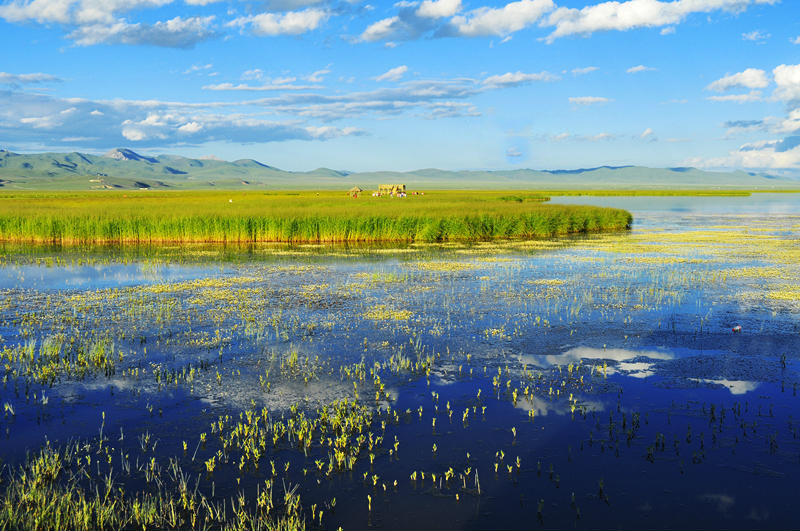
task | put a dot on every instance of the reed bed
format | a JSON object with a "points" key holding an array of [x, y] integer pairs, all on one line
{"points": [[236, 217]]}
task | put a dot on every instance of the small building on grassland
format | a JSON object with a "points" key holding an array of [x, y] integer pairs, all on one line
{"points": [[392, 189], [354, 191]]}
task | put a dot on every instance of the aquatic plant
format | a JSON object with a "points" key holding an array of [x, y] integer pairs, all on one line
{"points": [[306, 217]]}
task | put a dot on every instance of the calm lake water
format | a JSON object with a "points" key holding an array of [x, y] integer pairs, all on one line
{"points": [[646, 379]]}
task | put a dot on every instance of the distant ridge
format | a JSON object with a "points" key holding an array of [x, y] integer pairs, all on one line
{"points": [[125, 169], [127, 154]]}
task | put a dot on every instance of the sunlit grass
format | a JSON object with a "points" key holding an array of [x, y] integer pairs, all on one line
{"points": [[241, 217]]}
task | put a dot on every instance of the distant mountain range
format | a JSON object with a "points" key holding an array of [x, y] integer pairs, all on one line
{"points": [[124, 169]]}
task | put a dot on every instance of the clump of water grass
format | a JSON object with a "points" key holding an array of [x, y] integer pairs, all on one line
{"points": [[249, 217]]}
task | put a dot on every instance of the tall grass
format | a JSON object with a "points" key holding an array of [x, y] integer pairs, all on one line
{"points": [[238, 217]]}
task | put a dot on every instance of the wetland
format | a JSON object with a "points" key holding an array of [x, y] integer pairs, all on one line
{"points": [[641, 378]]}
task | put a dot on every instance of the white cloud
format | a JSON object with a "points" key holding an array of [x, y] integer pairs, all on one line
{"points": [[753, 95], [513, 79], [790, 124], [47, 120], [174, 33], [190, 128], [584, 70], [381, 30], [752, 78], [588, 100], [438, 8], [796, 40], [292, 5], [739, 126], [632, 14], [787, 79], [669, 30], [289, 23], [640, 68], [26, 79], [502, 21], [765, 155], [253, 73], [513, 153], [244, 87], [393, 74], [198, 68], [72, 11], [647, 133], [318, 76], [756, 36]]}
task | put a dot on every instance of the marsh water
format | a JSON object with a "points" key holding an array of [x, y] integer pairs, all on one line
{"points": [[645, 379]]}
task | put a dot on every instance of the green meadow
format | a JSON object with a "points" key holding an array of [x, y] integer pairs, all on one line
{"points": [[244, 217]]}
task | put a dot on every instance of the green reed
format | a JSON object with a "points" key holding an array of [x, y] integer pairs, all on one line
{"points": [[238, 217]]}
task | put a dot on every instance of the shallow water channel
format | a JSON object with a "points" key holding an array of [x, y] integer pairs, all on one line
{"points": [[645, 379]]}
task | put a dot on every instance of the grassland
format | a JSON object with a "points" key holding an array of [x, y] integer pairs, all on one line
{"points": [[244, 217]]}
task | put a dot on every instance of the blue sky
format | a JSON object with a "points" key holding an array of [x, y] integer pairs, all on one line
{"points": [[453, 84]]}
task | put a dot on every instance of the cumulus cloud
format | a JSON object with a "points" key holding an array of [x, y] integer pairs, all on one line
{"points": [[16, 80], [787, 81], [439, 18], [72, 11], [174, 33], [513, 79], [393, 74], [91, 22], [765, 155], [438, 8], [752, 78], [289, 23], [588, 100], [776, 153], [408, 24], [383, 29], [789, 124], [633, 14], [501, 21]]}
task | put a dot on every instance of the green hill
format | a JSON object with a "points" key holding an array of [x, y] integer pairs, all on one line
{"points": [[124, 169]]}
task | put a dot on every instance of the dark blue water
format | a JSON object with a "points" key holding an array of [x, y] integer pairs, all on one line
{"points": [[635, 378]]}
